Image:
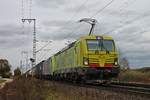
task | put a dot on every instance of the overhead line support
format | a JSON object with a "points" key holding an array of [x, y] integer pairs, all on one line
{"points": [[33, 60]]}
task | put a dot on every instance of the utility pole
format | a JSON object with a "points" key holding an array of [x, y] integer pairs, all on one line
{"points": [[33, 60], [90, 21]]}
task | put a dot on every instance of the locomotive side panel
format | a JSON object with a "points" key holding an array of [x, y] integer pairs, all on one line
{"points": [[66, 59]]}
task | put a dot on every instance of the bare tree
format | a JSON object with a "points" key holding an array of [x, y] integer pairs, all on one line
{"points": [[124, 63]]}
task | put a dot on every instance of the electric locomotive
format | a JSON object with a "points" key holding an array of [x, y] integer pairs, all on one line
{"points": [[90, 57]]}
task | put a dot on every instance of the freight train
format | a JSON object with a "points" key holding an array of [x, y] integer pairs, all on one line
{"points": [[93, 57]]}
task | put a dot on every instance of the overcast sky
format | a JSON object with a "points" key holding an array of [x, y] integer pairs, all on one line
{"points": [[127, 21]]}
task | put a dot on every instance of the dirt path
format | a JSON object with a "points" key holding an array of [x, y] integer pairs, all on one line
{"points": [[7, 80]]}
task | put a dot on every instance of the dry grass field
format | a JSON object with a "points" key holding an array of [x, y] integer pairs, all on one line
{"points": [[1, 81], [33, 89], [136, 75]]}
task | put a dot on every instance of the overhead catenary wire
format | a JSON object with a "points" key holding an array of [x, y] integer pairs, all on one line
{"points": [[79, 27], [41, 57], [100, 10], [77, 12], [130, 22], [74, 15], [96, 13], [43, 47], [126, 22], [72, 32]]}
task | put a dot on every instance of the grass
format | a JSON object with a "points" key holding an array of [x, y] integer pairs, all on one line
{"points": [[33, 89], [1, 81], [135, 76]]}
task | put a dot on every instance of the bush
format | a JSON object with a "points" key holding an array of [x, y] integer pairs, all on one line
{"points": [[17, 72], [7, 75]]}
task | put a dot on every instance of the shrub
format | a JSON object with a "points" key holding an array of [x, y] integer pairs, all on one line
{"points": [[17, 72]]}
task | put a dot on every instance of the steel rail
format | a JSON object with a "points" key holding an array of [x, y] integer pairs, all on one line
{"points": [[122, 88], [132, 89], [135, 84]]}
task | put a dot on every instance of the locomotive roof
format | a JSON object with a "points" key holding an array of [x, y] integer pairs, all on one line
{"points": [[67, 47], [82, 38], [95, 36]]}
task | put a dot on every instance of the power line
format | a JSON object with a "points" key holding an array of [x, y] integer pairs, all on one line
{"points": [[107, 6], [75, 14], [129, 22], [100, 10], [84, 3], [41, 57], [43, 47], [72, 32]]}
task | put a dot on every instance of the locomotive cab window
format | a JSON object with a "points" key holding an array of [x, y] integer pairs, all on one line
{"points": [[108, 45], [93, 45], [100, 45]]}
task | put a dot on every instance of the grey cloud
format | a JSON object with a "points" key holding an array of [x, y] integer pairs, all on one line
{"points": [[131, 21], [11, 36], [67, 30], [8, 30], [15, 42], [12, 30], [136, 57], [57, 23], [50, 3], [77, 8]]}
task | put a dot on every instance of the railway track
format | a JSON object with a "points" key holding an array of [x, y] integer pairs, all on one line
{"points": [[143, 90], [127, 88], [134, 84]]}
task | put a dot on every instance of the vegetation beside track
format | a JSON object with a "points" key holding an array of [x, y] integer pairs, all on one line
{"points": [[1, 81], [135, 75], [33, 89]]}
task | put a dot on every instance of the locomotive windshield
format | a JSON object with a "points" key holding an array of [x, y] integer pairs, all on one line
{"points": [[100, 45]]}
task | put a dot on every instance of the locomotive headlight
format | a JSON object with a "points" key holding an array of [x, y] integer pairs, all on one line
{"points": [[116, 63], [85, 61]]}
